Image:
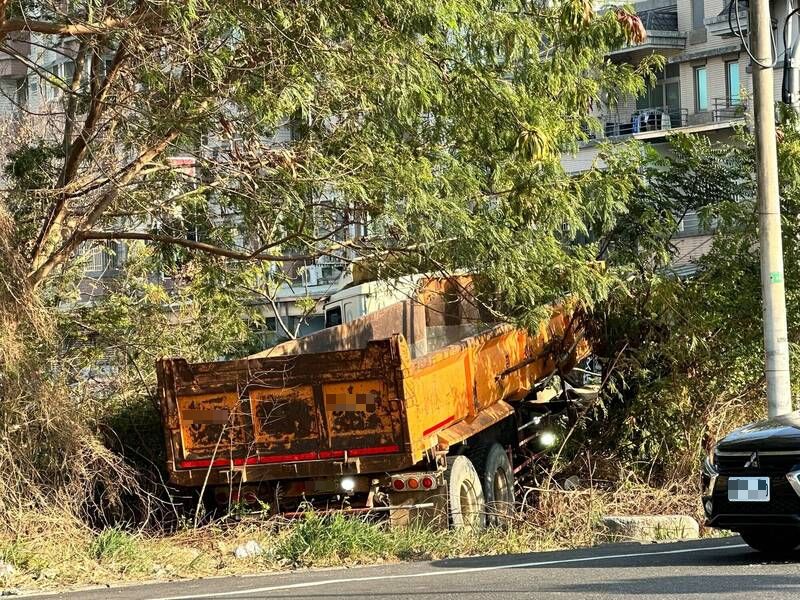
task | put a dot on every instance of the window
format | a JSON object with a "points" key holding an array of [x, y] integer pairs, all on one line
{"points": [[311, 324], [665, 95], [672, 97], [48, 82], [652, 98], [700, 89], [21, 96], [94, 260], [349, 312], [732, 83], [68, 72], [60, 77], [101, 257], [691, 223], [673, 70], [333, 316], [698, 14]]}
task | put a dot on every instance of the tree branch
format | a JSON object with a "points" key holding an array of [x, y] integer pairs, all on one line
{"points": [[72, 103], [58, 256], [191, 244], [95, 111], [77, 150], [50, 28]]}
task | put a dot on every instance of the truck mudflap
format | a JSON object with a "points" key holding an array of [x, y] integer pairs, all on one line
{"points": [[289, 416]]}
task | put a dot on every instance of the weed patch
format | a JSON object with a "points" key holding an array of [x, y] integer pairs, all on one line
{"points": [[332, 538], [112, 544], [49, 553]]}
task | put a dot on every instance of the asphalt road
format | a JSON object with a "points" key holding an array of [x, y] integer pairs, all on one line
{"points": [[717, 568]]}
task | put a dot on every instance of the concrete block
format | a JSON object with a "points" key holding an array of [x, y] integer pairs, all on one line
{"points": [[648, 528]]}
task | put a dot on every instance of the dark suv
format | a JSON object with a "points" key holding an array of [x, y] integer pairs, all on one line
{"points": [[751, 484]]}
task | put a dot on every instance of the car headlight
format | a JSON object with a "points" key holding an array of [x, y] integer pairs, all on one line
{"points": [[709, 467], [710, 472]]}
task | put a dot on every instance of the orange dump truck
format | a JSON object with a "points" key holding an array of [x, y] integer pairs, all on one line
{"points": [[423, 406]]}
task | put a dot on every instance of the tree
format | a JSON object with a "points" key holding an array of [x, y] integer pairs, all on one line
{"points": [[690, 349], [436, 127]]}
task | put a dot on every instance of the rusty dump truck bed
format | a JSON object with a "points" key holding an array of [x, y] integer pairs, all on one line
{"points": [[376, 395]]}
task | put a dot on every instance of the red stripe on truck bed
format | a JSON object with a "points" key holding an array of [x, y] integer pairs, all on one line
{"points": [[433, 428], [204, 463], [374, 450]]}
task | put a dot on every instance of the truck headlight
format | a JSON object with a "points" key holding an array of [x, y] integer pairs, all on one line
{"points": [[547, 439]]}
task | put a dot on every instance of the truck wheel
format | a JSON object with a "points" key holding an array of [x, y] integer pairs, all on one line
{"points": [[497, 478], [466, 507], [772, 541]]}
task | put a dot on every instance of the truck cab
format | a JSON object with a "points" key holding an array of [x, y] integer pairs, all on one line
{"points": [[361, 299]]}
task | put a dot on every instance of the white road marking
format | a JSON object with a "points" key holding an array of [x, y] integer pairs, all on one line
{"points": [[443, 571]]}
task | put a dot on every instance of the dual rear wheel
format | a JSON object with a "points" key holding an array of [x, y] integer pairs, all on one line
{"points": [[480, 488]]}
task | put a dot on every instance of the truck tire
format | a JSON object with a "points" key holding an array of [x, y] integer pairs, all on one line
{"points": [[772, 540], [466, 507], [497, 478]]}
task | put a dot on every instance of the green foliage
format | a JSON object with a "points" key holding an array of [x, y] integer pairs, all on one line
{"points": [[443, 122], [32, 166], [17, 553], [320, 538], [114, 544], [689, 352]]}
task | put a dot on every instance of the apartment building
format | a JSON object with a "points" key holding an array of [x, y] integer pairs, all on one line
{"points": [[705, 87], [30, 102]]}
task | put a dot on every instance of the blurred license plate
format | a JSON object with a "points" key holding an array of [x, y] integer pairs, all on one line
{"points": [[748, 489]]}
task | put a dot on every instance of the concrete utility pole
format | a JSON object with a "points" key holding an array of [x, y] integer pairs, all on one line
{"points": [[779, 393]]}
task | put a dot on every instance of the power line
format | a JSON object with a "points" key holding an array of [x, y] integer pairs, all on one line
{"points": [[738, 33]]}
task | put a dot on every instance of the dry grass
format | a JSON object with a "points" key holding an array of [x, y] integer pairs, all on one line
{"points": [[49, 551], [50, 452]]}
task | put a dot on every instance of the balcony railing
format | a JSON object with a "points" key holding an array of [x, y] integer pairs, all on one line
{"points": [[658, 118], [728, 108], [720, 24], [660, 19], [663, 35]]}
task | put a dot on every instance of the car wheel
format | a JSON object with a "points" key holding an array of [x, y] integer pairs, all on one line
{"points": [[772, 541], [497, 478], [466, 506]]}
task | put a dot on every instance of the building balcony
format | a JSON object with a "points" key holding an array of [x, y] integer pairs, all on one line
{"points": [[726, 23], [646, 123], [720, 26], [728, 109], [663, 36], [657, 118], [11, 67]]}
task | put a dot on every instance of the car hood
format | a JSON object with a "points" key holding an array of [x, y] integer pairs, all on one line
{"points": [[776, 434]]}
